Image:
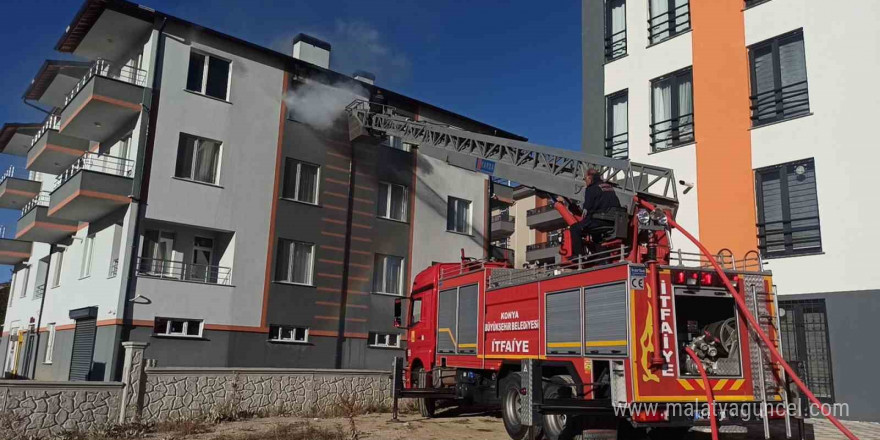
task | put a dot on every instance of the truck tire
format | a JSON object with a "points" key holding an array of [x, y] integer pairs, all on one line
{"points": [[510, 406], [427, 407], [560, 426]]}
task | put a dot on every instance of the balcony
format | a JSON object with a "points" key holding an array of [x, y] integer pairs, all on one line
{"points": [[499, 253], [17, 189], [180, 271], [52, 152], [503, 226], [502, 196], [542, 253], [15, 138], [544, 218], [105, 100], [36, 225], [14, 251], [91, 188]]}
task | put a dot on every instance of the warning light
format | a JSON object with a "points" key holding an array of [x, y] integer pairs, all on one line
{"points": [[692, 278], [707, 278], [678, 277]]}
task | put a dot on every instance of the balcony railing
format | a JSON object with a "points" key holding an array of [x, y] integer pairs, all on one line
{"points": [[178, 270], [790, 237], [42, 199], [103, 68], [89, 161], [672, 132], [503, 218], [541, 210], [17, 173], [617, 146], [782, 103], [667, 24], [52, 122], [615, 45], [544, 245]]}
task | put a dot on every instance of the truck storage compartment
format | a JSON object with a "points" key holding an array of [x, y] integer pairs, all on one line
{"points": [[707, 321], [457, 320]]}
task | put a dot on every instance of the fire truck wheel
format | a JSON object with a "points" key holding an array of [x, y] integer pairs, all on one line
{"points": [[427, 407], [510, 407], [560, 426]]}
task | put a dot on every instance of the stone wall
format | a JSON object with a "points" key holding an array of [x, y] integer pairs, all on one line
{"points": [[48, 408], [173, 393]]}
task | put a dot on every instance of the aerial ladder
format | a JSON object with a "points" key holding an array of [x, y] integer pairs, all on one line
{"points": [[558, 172]]}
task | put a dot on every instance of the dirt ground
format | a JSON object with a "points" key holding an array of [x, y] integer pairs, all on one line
{"points": [[453, 425]]}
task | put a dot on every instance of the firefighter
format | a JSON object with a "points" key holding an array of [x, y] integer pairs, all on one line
{"points": [[599, 197], [378, 102]]}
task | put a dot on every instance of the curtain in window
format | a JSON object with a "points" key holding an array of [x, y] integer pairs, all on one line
{"points": [[152, 251], [619, 127], [185, 149], [301, 272], [682, 16], [308, 183], [659, 21], [803, 207], [662, 113], [398, 202], [771, 195], [685, 110], [765, 99], [457, 215], [393, 269], [617, 28], [207, 155], [793, 70]]}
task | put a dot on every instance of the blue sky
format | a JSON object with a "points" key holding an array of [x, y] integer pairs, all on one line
{"points": [[513, 64]]}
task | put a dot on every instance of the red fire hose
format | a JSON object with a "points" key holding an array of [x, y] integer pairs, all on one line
{"points": [[741, 304], [709, 399]]}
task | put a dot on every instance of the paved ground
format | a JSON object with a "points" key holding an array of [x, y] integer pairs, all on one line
{"points": [[487, 426]]}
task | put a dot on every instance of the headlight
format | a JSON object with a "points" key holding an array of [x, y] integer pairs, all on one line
{"points": [[659, 217], [644, 217]]}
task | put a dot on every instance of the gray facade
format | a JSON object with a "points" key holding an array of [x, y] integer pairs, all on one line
{"points": [[593, 76]]}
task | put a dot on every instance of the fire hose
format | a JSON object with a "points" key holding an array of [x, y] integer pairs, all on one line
{"points": [[709, 399], [741, 304]]}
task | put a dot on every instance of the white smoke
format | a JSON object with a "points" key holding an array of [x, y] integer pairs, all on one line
{"points": [[320, 105]]}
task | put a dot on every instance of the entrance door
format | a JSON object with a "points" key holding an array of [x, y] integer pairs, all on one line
{"points": [[83, 348], [804, 328]]}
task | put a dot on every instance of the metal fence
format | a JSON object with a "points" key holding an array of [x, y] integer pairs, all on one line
{"points": [[104, 68], [41, 199], [89, 161], [178, 270], [672, 132], [52, 122], [777, 104]]}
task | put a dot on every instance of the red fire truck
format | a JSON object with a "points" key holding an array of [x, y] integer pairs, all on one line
{"points": [[630, 335]]}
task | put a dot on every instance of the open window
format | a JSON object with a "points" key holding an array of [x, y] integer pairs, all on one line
{"points": [[707, 321]]}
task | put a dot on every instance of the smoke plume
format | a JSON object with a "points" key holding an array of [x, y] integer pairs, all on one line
{"points": [[321, 105]]}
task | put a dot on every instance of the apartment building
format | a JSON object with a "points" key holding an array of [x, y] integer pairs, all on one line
{"points": [[762, 107], [197, 192]]}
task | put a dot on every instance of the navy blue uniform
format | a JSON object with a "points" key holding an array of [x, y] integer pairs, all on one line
{"points": [[599, 197]]}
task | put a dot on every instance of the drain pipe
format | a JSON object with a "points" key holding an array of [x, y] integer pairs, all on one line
{"points": [[27, 103]]}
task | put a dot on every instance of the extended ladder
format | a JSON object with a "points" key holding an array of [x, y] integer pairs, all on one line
{"points": [[553, 170], [770, 374]]}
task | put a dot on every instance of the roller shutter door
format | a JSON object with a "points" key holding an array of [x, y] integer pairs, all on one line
{"points": [[606, 319], [446, 321], [564, 323], [83, 349], [467, 319]]}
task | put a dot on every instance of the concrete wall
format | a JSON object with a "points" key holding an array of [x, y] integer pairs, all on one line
{"points": [[50, 408]]}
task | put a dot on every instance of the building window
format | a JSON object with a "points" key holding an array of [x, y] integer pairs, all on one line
{"points": [[185, 328], [458, 215], [23, 281], [788, 209], [384, 340], [198, 159], [779, 79], [615, 29], [668, 19], [50, 343], [672, 103], [287, 333], [295, 262], [208, 75], [392, 201], [416, 312], [388, 275], [300, 181], [85, 269], [56, 271], [158, 257], [617, 125], [203, 268], [397, 143]]}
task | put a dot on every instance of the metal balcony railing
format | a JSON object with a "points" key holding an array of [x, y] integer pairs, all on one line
{"points": [[52, 122], [541, 210], [178, 270], [89, 161], [672, 132], [14, 172], [782, 103], [41, 199], [617, 146], [103, 68], [615, 45], [668, 24]]}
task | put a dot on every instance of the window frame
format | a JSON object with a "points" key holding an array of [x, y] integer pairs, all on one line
{"points": [[786, 232], [291, 244], [85, 268], [27, 274], [388, 197], [183, 334], [297, 176], [609, 37], [381, 276], [670, 19], [373, 341], [779, 115], [675, 119], [57, 268], [204, 81], [50, 344], [280, 329], [470, 215], [609, 124], [192, 164]]}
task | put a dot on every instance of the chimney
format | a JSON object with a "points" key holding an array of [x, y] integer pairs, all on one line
{"points": [[311, 50], [364, 76]]}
